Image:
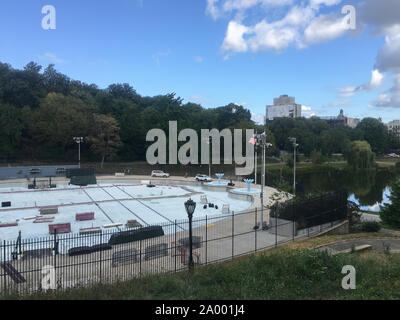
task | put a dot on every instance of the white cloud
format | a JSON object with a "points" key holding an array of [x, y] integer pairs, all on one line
{"points": [[306, 111], [383, 100], [388, 56], [270, 37], [198, 59], [158, 55], [234, 40], [217, 8], [384, 17], [231, 5], [376, 81], [212, 9], [336, 104], [52, 58], [258, 118], [196, 97], [301, 25], [325, 2], [243, 104], [390, 98], [325, 28]]}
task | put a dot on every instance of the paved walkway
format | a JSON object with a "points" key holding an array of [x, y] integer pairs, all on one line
{"points": [[370, 217], [377, 244]]}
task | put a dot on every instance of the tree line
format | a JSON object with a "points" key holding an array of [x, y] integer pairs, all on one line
{"points": [[41, 110]]}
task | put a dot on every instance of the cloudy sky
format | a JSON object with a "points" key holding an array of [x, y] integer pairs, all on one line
{"points": [[214, 52]]}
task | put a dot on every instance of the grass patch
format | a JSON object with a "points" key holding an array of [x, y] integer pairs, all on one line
{"points": [[291, 272]]}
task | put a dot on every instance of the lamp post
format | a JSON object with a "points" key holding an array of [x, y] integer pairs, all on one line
{"points": [[208, 141], [262, 140], [190, 206], [79, 140], [295, 145]]}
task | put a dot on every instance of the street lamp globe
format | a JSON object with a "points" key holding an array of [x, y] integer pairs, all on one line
{"points": [[190, 206]]}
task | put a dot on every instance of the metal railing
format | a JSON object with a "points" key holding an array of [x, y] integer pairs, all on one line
{"points": [[62, 261]]}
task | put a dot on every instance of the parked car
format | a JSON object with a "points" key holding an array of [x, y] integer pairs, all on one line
{"points": [[159, 173], [34, 171], [393, 155], [203, 177]]}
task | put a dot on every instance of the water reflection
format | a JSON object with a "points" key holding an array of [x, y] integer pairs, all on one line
{"points": [[368, 188]]}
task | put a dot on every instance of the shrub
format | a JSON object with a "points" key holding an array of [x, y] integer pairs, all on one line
{"points": [[398, 165], [370, 226], [354, 216]]}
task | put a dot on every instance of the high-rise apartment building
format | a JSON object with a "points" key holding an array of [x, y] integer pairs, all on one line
{"points": [[283, 107]]}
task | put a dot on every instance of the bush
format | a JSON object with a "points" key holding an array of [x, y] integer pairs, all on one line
{"points": [[354, 216], [398, 165], [370, 226]]}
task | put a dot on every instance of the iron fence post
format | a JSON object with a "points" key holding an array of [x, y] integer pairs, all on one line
{"points": [[175, 247], [255, 231], [206, 239], [55, 253], [276, 225], [101, 256], [4, 261], [191, 264], [140, 258], [233, 235]]}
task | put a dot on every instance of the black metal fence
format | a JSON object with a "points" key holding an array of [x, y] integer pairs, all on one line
{"points": [[313, 211], [64, 261]]}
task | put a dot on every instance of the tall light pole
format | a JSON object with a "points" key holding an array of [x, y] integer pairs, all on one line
{"points": [[262, 140], [255, 161], [79, 140], [208, 141], [295, 145]]}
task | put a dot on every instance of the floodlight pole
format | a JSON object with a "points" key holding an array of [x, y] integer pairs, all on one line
{"points": [[255, 161], [262, 138], [295, 145], [210, 150], [208, 141], [79, 140]]}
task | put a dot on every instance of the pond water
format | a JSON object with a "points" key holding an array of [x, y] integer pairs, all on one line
{"points": [[369, 189]]}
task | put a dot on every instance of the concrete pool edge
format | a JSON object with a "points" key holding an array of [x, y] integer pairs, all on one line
{"points": [[255, 199]]}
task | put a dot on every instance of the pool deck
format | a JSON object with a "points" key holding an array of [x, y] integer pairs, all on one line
{"points": [[230, 236]]}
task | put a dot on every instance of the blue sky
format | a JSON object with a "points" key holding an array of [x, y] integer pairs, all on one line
{"points": [[215, 52]]}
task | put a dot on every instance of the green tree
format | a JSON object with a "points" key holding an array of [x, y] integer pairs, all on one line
{"points": [[10, 130], [390, 213], [105, 139], [360, 156], [58, 119], [375, 133]]}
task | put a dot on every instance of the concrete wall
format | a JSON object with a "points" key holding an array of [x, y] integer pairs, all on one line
{"points": [[284, 228], [342, 228], [7, 173]]}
